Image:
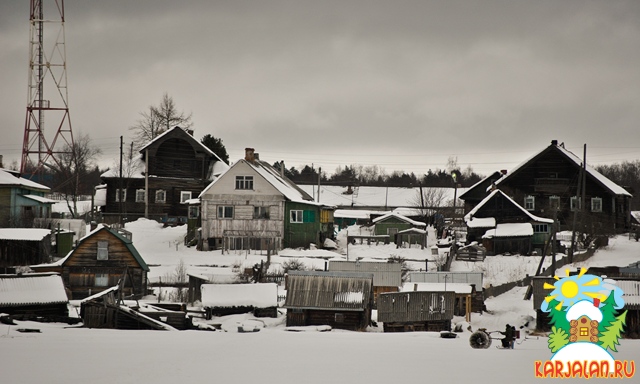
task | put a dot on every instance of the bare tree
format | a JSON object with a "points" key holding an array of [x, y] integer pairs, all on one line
{"points": [[71, 173], [432, 201], [159, 119]]}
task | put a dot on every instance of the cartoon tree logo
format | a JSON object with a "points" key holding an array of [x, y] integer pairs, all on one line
{"points": [[584, 308]]}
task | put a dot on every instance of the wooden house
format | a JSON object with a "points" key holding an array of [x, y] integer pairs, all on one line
{"points": [[23, 246], [477, 192], [392, 223], [503, 226], [341, 300], [416, 311], [22, 200], [254, 206], [170, 170], [25, 296], [469, 282], [547, 185], [387, 277], [229, 299], [99, 261]]}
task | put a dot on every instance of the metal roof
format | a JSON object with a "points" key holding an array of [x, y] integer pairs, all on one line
{"points": [[30, 289], [448, 277], [384, 274], [329, 291]]}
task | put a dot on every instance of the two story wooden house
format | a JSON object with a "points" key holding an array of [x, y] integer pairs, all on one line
{"points": [[170, 170], [253, 206], [548, 184]]}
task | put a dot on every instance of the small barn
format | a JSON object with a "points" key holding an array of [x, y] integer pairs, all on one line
{"points": [[416, 311], [228, 299], [464, 294], [468, 279], [100, 260], [341, 300], [33, 295], [387, 277], [197, 279], [23, 246], [392, 223]]}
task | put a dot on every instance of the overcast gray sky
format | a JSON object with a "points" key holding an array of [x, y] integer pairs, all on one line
{"points": [[401, 84]]}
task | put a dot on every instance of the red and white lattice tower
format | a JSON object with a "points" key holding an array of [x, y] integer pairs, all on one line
{"points": [[47, 71]]}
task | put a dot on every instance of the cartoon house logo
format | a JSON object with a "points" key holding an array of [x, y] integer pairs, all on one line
{"points": [[586, 328]]}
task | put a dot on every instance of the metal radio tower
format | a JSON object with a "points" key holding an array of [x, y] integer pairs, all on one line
{"points": [[47, 69]]}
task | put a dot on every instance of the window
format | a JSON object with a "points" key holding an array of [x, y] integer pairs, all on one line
{"points": [[530, 203], [554, 202], [225, 212], [338, 318], [540, 228], [184, 196], [596, 204], [103, 250], [121, 193], [575, 203], [140, 195], [584, 331], [161, 196], [194, 212], [261, 213], [296, 216], [102, 280], [244, 182]]}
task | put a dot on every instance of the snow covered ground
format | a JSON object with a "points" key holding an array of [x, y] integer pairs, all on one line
{"points": [[60, 353]]}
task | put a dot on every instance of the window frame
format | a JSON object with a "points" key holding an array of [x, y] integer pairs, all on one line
{"points": [[261, 212], [101, 280], [296, 216], [554, 202], [244, 183], [574, 203], [123, 194], [594, 201], [138, 193], [530, 203], [164, 196], [103, 246], [223, 210], [183, 194]]}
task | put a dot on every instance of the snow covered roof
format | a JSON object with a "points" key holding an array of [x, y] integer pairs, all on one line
{"points": [[374, 197], [40, 199], [356, 213], [414, 230], [100, 195], [240, 295], [599, 177], [399, 217], [30, 289], [25, 234], [583, 308], [510, 230], [285, 186], [186, 135], [13, 178], [457, 277], [436, 287], [384, 274], [470, 215], [481, 222]]}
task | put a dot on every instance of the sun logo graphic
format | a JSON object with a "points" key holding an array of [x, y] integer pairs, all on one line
{"points": [[586, 326]]}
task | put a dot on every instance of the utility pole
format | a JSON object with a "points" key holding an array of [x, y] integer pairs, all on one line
{"points": [[580, 191], [120, 194]]}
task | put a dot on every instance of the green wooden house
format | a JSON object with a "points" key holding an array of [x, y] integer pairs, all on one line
{"points": [[392, 223]]}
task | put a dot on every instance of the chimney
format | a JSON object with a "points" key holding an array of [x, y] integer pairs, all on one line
{"points": [[190, 131], [503, 171], [249, 154], [554, 142], [1, 165], [256, 156]]}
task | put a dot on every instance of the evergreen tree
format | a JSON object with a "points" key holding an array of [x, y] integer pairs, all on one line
{"points": [[558, 316], [608, 312], [612, 334], [216, 146], [557, 339]]}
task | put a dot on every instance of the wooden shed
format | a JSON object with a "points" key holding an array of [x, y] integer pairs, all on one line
{"points": [[100, 260], [341, 300], [387, 277], [392, 223], [23, 246], [416, 311], [34, 295], [468, 278], [229, 299]]}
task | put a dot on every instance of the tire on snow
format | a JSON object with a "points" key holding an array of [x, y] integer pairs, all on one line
{"points": [[480, 340]]}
